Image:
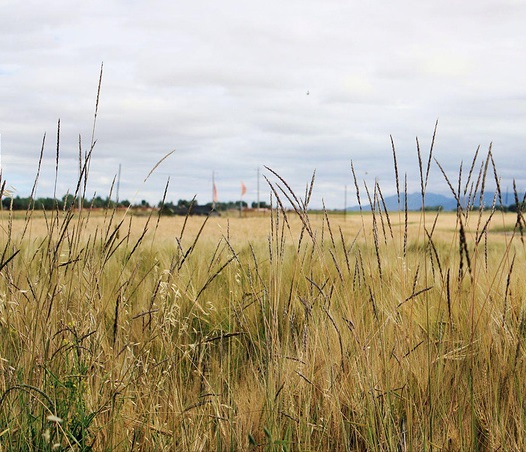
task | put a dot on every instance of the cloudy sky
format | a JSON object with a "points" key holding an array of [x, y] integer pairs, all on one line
{"points": [[234, 85]]}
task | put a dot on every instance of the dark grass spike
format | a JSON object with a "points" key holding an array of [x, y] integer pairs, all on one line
{"points": [[216, 255], [471, 168], [455, 195], [483, 179], [302, 214], [362, 269], [421, 170], [128, 234], [56, 164], [468, 199], [302, 235], [338, 269], [459, 207], [479, 234], [183, 228], [214, 276], [479, 179], [161, 205], [405, 215], [108, 204], [31, 204], [280, 205], [448, 297], [497, 180], [87, 162], [345, 251], [139, 241], [340, 341], [322, 234], [462, 239], [474, 189], [257, 269], [194, 243], [430, 245], [463, 249], [434, 224], [520, 210], [431, 153], [328, 224], [415, 279], [414, 295], [375, 231], [385, 210], [2, 189], [355, 276], [9, 259], [396, 170], [271, 235], [482, 188], [373, 303], [309, 193], [282, 241], [508, 279], [297, 205], [76, 194], [519, 207], [116, 318], [377, 203], [357, 188], [434, 252]]}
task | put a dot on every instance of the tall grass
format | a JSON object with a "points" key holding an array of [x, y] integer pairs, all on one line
{"points": [[391, 331]]}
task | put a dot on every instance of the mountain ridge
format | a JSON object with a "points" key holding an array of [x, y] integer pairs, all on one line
{"points": [[435, 200]]}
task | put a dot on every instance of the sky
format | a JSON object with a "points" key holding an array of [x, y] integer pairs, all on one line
{"points": [[233, 86]]}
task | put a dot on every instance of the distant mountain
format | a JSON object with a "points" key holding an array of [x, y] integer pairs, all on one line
{"points": [[414, 201]]}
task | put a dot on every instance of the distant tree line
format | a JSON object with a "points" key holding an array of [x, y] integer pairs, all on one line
{"points": [[66, 202], [183, 207]]}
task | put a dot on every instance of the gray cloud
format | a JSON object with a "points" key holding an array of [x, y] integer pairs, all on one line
{"points": [[225, 84]]}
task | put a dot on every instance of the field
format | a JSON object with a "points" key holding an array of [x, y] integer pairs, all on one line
{"points": [[291, 331]]}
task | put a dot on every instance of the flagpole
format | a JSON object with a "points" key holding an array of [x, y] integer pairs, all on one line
{"points": [[213, 191]]}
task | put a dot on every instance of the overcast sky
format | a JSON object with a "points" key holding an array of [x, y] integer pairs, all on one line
{"points": [[235, 85]]}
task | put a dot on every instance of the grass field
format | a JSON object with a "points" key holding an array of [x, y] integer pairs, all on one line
{"points": [[295, 331]]}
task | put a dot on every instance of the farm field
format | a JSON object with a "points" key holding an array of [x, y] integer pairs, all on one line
{"points": [[291, 331]]}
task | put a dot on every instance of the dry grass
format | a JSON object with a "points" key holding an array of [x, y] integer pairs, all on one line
{"points": [[276, 333]]}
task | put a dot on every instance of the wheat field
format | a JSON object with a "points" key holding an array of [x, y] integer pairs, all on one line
{"points": [[296, 331]]}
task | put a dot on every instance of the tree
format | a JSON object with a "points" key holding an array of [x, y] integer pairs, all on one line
{"points": [[262, 205]]}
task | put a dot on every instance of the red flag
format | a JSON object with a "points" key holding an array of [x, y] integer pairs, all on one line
{"points": [[243, 188], [215, 193]]}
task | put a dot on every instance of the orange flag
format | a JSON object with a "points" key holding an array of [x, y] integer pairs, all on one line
{"points": [[243, 188], [215, 193]]}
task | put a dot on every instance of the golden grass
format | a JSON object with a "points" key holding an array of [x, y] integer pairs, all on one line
{"points": [[296, 332]]}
